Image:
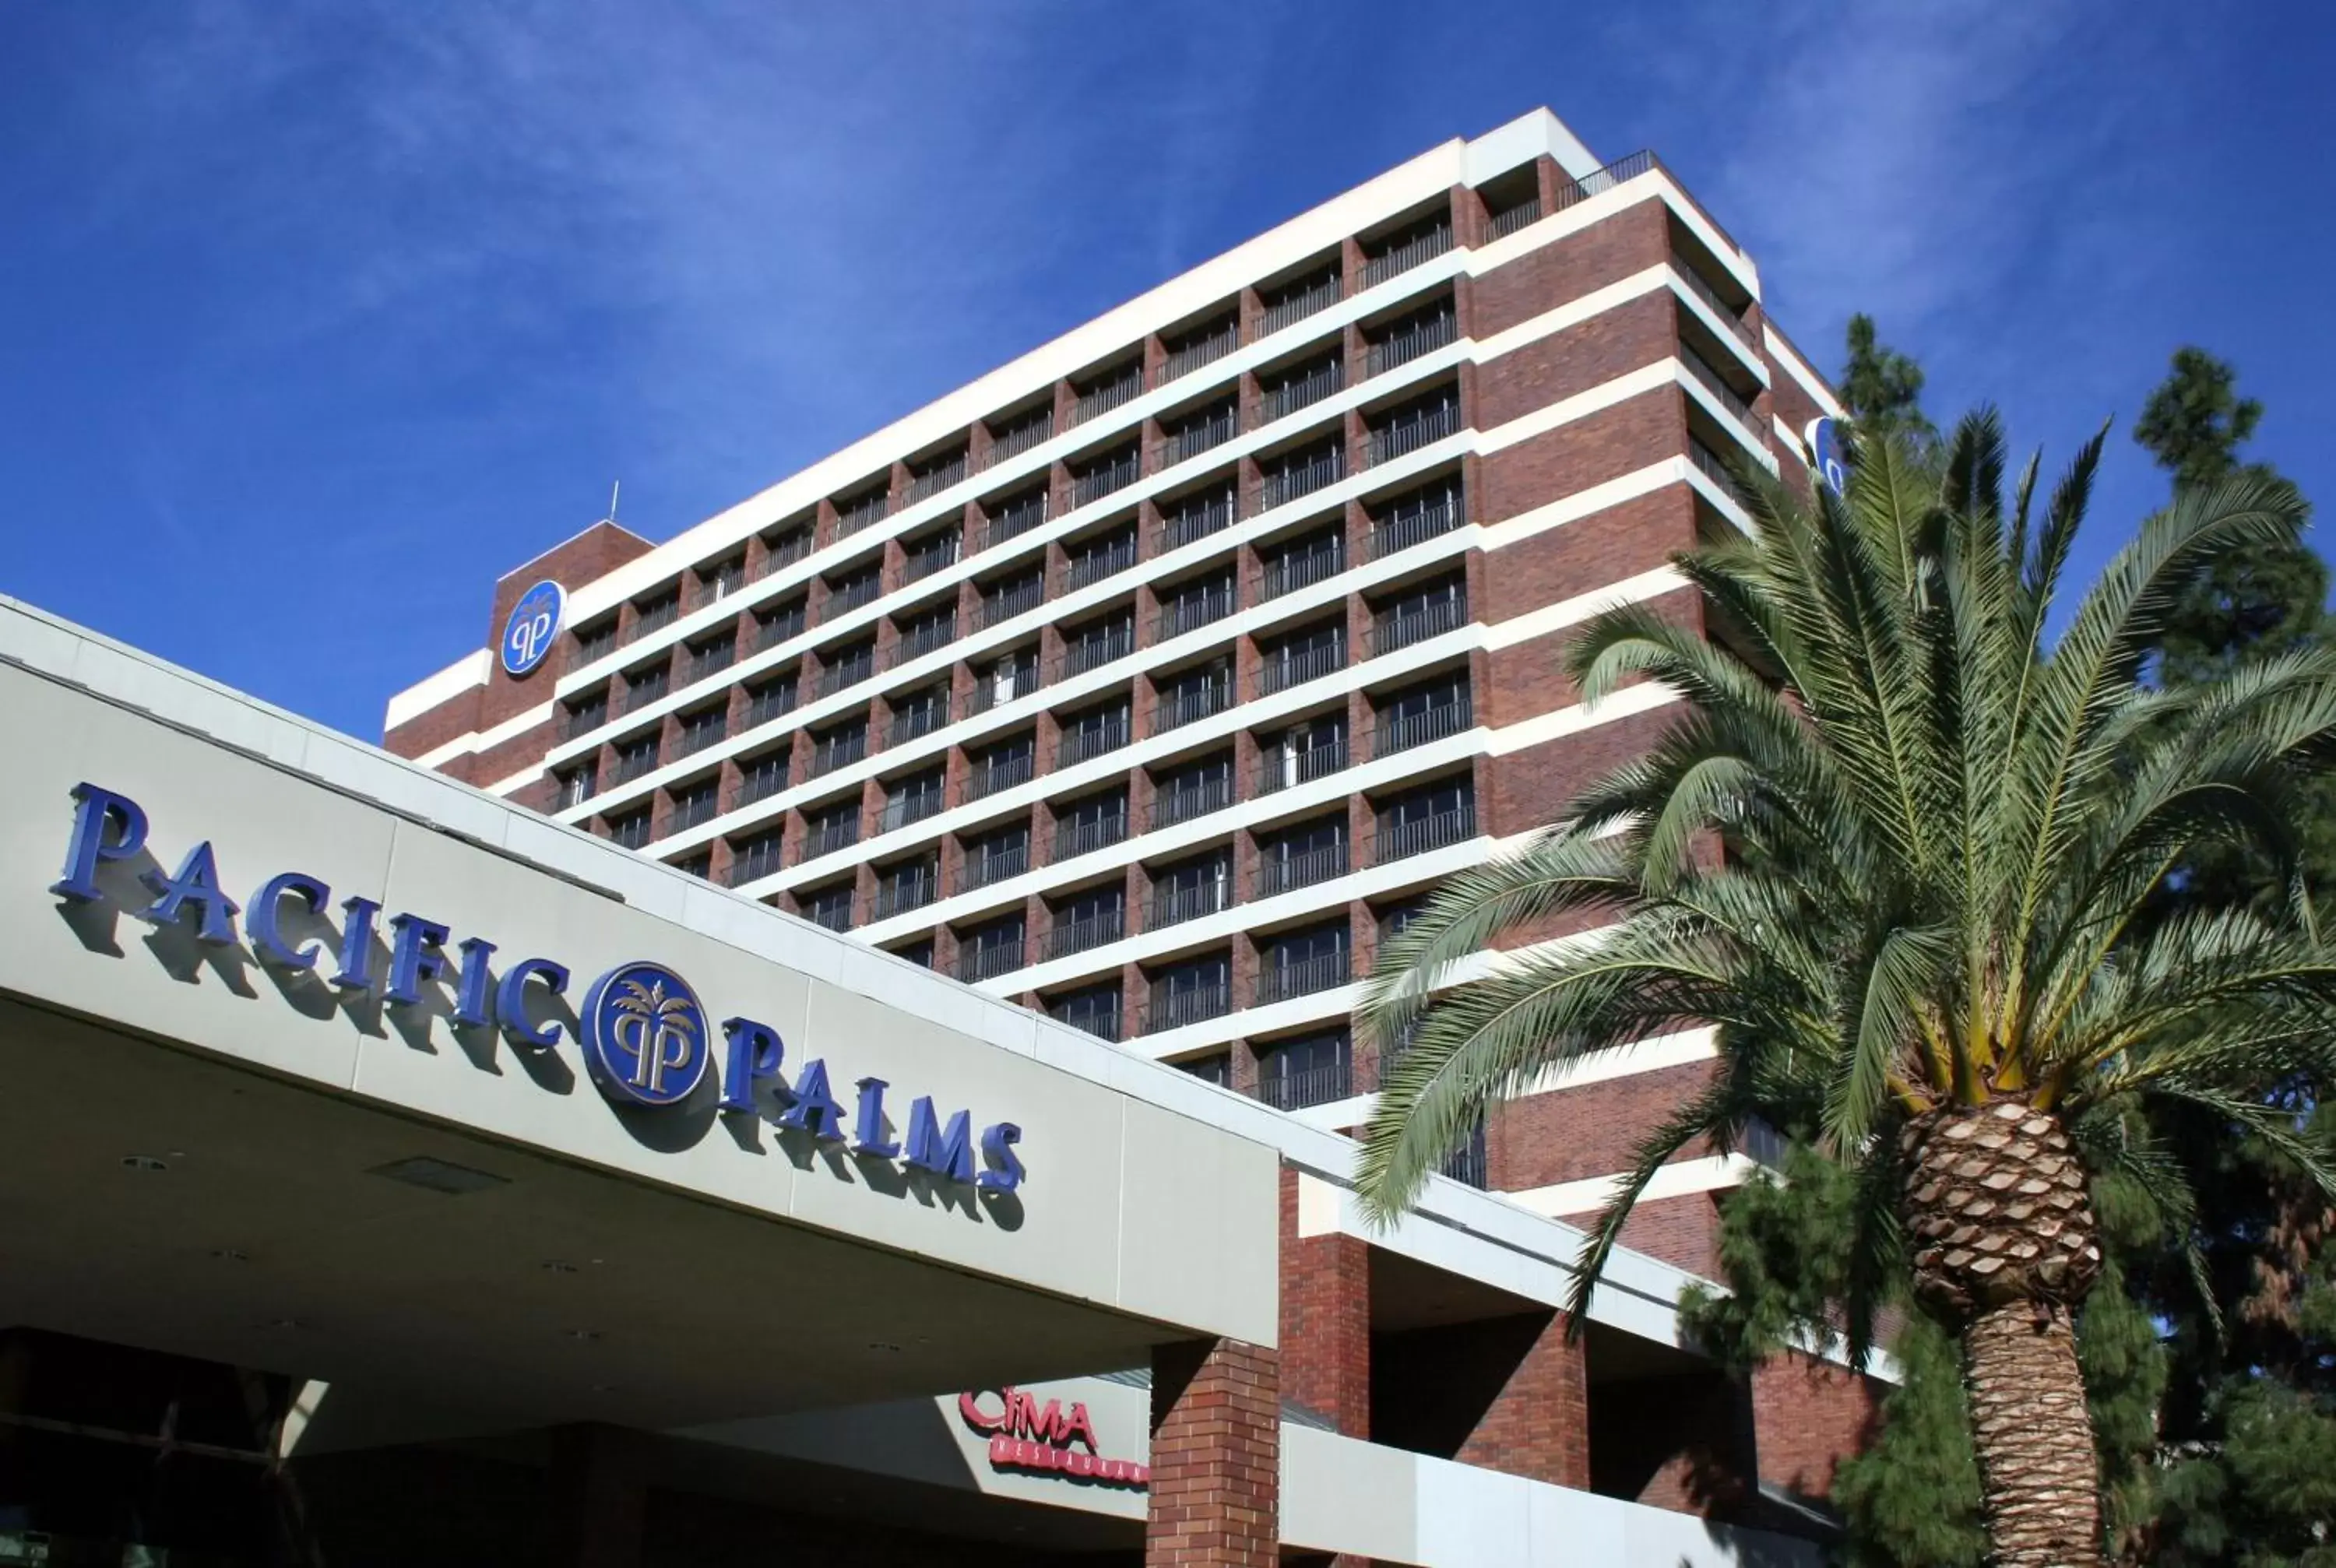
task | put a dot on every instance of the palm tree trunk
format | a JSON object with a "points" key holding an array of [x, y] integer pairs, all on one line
{"points": [[2034, 1435]]}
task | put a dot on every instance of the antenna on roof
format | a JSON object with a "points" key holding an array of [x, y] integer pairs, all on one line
{"points": [[615, 485]]}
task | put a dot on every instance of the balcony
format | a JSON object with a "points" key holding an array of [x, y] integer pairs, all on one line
{"points": [[596, 644], [1467, 1164], [1410, 340], [1193, 609], [1303, 977], [987, 960], [584, 720], [1419, 836], [1008, 600], [1098, 562], [762, 780], [833, 914], [1404, 732], [771, 631], [1281, 874], [1714, 466], [1100, 1019], [1196, 519], [1098, 650], [1717, 384], [1090, 931], [1101, 479], [1075, 837], [992, 866], [1174, 903], [1197, 351], [910, 806], [1014, 518], [1289, 769], [1020, 437], [829, 838], [1299, 301], [1307, 387], [692, 810], [994, 688], [1299, 1088], [1196, 436], [1183, 803], [1174, 1010], [1104, 396], [1417, 621], [937, 554], [1084, 741], [1733, 315], [755, 861], [848, 671], [936, 477], [1423, 244], [639, 694], [709, 659], [770, 702], [697, 735], [1289, 667], [838, 751], [1182, 705], [655, 617], [1406, 433], [917, 718], [923, 636], [787, 549], [865, 512], [853, 593], [634, 762], [1303, 475], [1509, 219], [1416, 521], [1301, 568], [900, 894], [988, 778]]}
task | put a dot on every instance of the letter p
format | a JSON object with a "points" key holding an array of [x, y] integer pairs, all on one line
{"points": [[106, 827]]}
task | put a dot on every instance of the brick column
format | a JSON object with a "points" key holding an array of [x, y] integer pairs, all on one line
{"points": [[1326, 1320], [1216, 1456], [1538, 1426]]}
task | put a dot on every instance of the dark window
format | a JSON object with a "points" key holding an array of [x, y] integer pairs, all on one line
{"points": [[702, 729], [576, 785], [631, 830], [656, 614], [831, 830], [841, 746], [830, 907], [1303, 963], [1093, 732], [643, 686], [1194, 694], [1087, 919], [637, 756], [595, 642], [1214, 1068], [1096, 1009], [1189, 993], [589, 714], [1425, 713], [1014, 515], [787, 548], [763, 776], [774, 627], [1314, 749], [908, 886], [988, 952], [1002, 766], [1082, 827], [756, 857], [1426, 819], [1096, 558], [912, 799], [1312, 1070], [1188, 889], [1190, 791], [1315, 558], [693, 806], [1301, 657], [1301, 856], [996, 856]]}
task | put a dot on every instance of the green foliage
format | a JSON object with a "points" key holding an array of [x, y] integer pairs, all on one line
{"points": [[1881, 387], [2126, 1367], [1911, 1500], [2265, 1496], [1786, 1250]]}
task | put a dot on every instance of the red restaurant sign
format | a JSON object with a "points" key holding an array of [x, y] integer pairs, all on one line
{"points": [[1025, 1435]]}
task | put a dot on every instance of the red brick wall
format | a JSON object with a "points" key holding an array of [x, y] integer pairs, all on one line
{"points": [[1326, 1320], [1630, 241], [1216, 1456], [1539, 1424], [1806, 1414], [1587, 1131]]}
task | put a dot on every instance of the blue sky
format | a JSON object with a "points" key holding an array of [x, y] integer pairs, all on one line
{"points": [[316, 318]]}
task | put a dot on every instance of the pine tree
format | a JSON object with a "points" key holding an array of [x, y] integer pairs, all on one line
{"points": [[1881, 387]]}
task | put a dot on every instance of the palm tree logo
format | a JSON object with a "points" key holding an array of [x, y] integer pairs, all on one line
{"points": [[655, 1025]]}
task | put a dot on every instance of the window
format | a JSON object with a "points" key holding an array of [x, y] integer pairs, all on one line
{"points": [[1106, 391], [787, 547], [922, 634], [1311, 1071], [637, 756], [912, 799], [1195, 604], [1217, 1068], [996, 856], [1397, 919], [595, 642], [1188, 889], [1189, 993], [1015, 514], [1087, 919], [1416, 425], [1107, 555], [910, 885], [1096, 1009], [1018, 432], [1401, 342], [1425, 713], [935, 474], [1417, 517], [1016, 674], [829, 906], [693, 806], [1094, 480], [990, 950], [1196, 432], [772, 700], [702, 729], [1195, 517], [1314, 558], [1407, 248], [920, 713], [763, 776], [1300, 297], [1303, 471], [1190, 791], [1002, 601], [1303, 963], [631, 830], [842, 746], [1002, 766], [643, 686], [576, 785], [656, 614], [1194, 694], [846, 667], [1097, 643], [713, 654], [919, 953], [831, 830], [1429, 610], [774, 627], [1301, 657], [861, 512], [849, 591], [754, 858], [722, 581], [699, 865], [586, 715], [1302, 856], [1095, 731], [1426, 819], [1190, 350], [935, 553], [1287, 391], [1083, 826], [1314, 749]]}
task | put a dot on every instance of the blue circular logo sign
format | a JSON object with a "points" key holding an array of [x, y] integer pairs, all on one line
{"points": [[644, 1036], [1825, 454], [527, 636]]}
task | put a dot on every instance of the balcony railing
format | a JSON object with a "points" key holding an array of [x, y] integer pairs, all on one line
{"points": [[691, 810], [1182, 705], [1077, 837], [987, 960], [762, 781], [1019, 438], [995, 865], [1300, 568], [1299, 1087], [1286, 770], [1172, 904], [1015, 519], [1303, 977], [834, 912], [640, 693], [1095, 650], [756, 861], [1713, 465], [1089, 931], [1416, 623], [1008, 600], [1102, 1021], [584, 720], [597, 644], [1309, 386], [1195, 352], [847, 672], [1418, 836], [1402, 732], [1294, 305], [1181, 804], [1280, 874], [1730, 398], [773, 630], [1509, 219], [937, 478], [914, 807], [988, 778], [838, 751], [787, 549], [1193, 609], [1598, 181], [925, 637], [854, 592], [1196, 436], [696, 738], [632, 765], [865, 512], [656, 617], [1466, 1164], [1409, 431], [1116, 472], [1704, 291], [1100, 399], [1303, 475], [1289, 667], [900, 894], [1174, 1010], [1410, 340], [1423, 246], [994, 688], [916, 719], [937, 554], [772, 702], [709, 658], [830, 838], [1416, 522], [1082, 742], [1196, 519], [1108, 558]]}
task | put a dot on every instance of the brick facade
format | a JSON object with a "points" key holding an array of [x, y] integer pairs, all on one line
{"points": [[1538, 1426], [1216, 1456]]}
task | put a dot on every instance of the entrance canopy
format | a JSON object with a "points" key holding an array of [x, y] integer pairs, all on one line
{"points": [[322, 1064]]}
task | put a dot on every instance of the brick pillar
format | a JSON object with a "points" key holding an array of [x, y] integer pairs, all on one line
{"points": [[1326, 1320], [1216, 1456], [1538, 1426]]}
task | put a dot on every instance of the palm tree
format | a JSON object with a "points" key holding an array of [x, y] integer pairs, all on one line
{"points": [[1897, 849]]}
